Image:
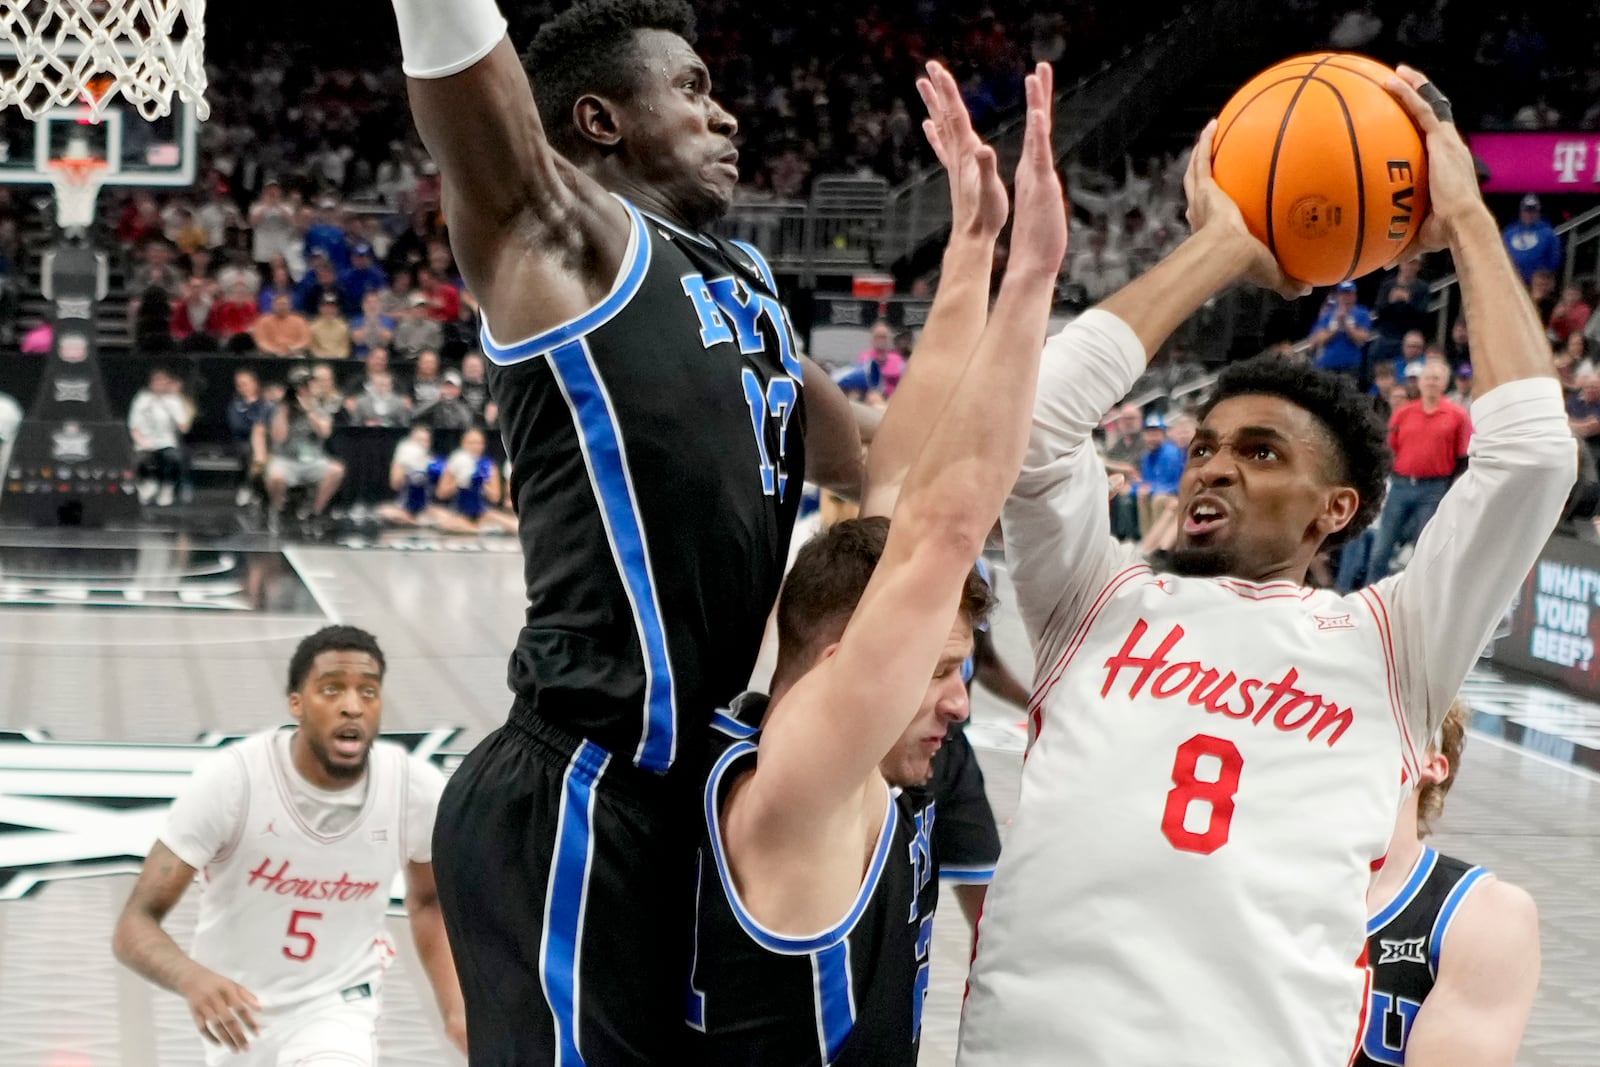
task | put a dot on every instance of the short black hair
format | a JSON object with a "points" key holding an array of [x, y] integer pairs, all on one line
{"points": [[1364, 458], [331, 639], [588, 48], [825, 584]]}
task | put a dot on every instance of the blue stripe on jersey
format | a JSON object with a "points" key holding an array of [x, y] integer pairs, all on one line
{"points": [[762, 267], [1447, 915], [696, 1013], [560, 947], [835, 999], [607, 460], [635, 264], [957, 875], [727, 724], [768, 939], [1407, 894]]}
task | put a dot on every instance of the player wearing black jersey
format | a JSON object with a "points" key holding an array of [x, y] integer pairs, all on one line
{"points": [[814, 913], [1454, 951], [659, 419]]}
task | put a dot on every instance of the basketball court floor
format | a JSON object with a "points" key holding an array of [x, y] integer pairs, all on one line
{"points": [[124, 657]]}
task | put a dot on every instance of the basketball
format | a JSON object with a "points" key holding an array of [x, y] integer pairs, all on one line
{"points": [[1326, 165]]}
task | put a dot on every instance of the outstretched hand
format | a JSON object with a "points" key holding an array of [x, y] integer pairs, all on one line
{"points": [[978, 204], [1212, 209], [1039, 237], [1452, 176]]}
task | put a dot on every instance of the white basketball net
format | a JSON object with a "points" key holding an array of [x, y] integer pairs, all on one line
{"points": [[150, 49]]}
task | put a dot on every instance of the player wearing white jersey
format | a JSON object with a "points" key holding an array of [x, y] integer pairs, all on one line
{"points": [[1217, 755], [298, 835]]}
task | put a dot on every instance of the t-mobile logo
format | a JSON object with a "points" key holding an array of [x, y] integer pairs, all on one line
{"points": [[1569, 159]]}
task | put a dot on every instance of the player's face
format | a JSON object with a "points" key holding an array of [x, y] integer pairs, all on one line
{"points": [[910, 762], [678, 140], [1258, 494], [340, 710]]}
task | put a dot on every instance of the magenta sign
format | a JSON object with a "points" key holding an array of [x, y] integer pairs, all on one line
{"points": [[1539, 162]]}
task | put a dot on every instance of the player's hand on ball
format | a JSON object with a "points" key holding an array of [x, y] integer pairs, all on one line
{"points": [[1453, 191], [223, 1010], [978, 203], [1212, 209], [1039, 234]]}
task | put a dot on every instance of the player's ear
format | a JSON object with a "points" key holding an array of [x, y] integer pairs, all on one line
{"points": [[597, 120], [1435, 768], [1339, 510], [296, 709]]}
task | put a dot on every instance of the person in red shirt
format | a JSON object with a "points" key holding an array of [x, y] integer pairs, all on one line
{"points": [[1429, 436], [1570, 316], [444, 299]]}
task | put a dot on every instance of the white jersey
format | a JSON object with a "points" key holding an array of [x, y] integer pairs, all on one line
{"points": [[296, 881], [1215, 765]]}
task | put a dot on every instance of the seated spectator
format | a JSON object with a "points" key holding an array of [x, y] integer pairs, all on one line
{"points": [[1124, 455], [319, 283], [1383, 383], [471, 489], [425, 385], [248, 415], [415, 331], [278, 281], [475, 391], [1569, 316], [1542, 288], [156, 270], [372, 328], [157, 420], [1402, 307], [326, 237], [448, 411], [1415, 350], [1099, 270], [325, 394], [234, 314], [883, 364], [442, 298], [1459, 348], [1461, 395], [413, 475], [1159, 471], [272, 225], [330, 334], [1342, 332], [299, 459], [140, 221], [180, 228], [378, 404], [363, 277], [236, 270], [1533, 242], [197, 296], [1568, 358], [1583, 411], [284, 332]]}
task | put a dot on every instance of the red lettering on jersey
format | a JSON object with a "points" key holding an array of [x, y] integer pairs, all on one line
{"points": [[1289, 707], [280, 882]]}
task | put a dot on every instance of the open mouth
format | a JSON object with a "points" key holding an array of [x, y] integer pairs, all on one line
{"points": [[349, 741], [1204, 517]]}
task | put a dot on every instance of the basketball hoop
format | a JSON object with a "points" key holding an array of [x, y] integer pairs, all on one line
{"points": [[64, 53], [77, 183]]}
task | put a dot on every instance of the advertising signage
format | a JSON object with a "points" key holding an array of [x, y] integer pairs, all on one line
{"points": [[1539, 162]]}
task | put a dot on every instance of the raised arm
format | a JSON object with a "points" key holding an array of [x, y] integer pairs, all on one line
{"points": [[522, 218], [1473, 555], [853, 707], [978, 210], [1058, 537]]}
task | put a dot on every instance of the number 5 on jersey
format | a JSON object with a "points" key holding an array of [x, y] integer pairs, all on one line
{"points": [[307, 941], [1187, 788]]}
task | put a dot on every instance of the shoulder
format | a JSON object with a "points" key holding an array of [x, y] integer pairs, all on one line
{"points": [[1497, 923]]}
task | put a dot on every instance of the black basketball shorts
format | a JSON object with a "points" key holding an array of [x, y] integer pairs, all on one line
{"points": [[964, 834], [566, 881]]}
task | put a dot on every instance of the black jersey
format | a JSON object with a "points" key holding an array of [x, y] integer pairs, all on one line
{"points": [[658, 453], [849, 995], [1403, 943]]}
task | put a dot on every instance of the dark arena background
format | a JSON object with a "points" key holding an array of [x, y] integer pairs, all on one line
{"points": [[290, 248]]}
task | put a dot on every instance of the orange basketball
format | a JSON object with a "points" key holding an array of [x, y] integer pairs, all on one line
{"points": [[1326, 165]]}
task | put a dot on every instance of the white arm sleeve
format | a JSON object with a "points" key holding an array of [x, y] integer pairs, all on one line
{"points": [[1479, 546], [204, 819], [1057, 522], [422, 803], [439, 38]]}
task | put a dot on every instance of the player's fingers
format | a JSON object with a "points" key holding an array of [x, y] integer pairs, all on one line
{"points": [[930, 99], [1411, 75], [1047, 79], [1200, 158], [204, 1027], [988, 164], [1422, 113], [930, 130], [242, 1012]]}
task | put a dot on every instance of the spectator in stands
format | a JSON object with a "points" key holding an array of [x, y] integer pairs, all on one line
{"points": [[157, 420], [1124, 455], [363, 277], [156, 270], [140, 222], [882, 364], [1402, 306], [237, 268], [1159, 472], [278, 281], [1100, 270], [320, 282], [272, 228], [325, 391], [443, 298], [1356, 28], [415, 331], [284, 332], [1414, 350], [1538, 115], [299, 458], [1342, 331], [1429, 436], [1542, 288], [152, 322], [1532, 242], [326, 236], [1570, 315], [1569, 358], [1383, 383], [234, 314], [372, 328], [330, 333], [378, 404], [197, 296], [1459, 347], [475, 390], [180, 228], [248, 414], [447, 410], [1583, 410], [216, 215], [413, 474], [425, 384], [1461, 395]]}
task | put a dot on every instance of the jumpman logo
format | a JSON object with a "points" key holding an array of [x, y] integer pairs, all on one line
{"points": [[270, 829]]}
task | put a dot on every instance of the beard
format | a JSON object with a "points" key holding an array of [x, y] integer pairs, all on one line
{"points": [[346, 771], [1204, 562]]}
